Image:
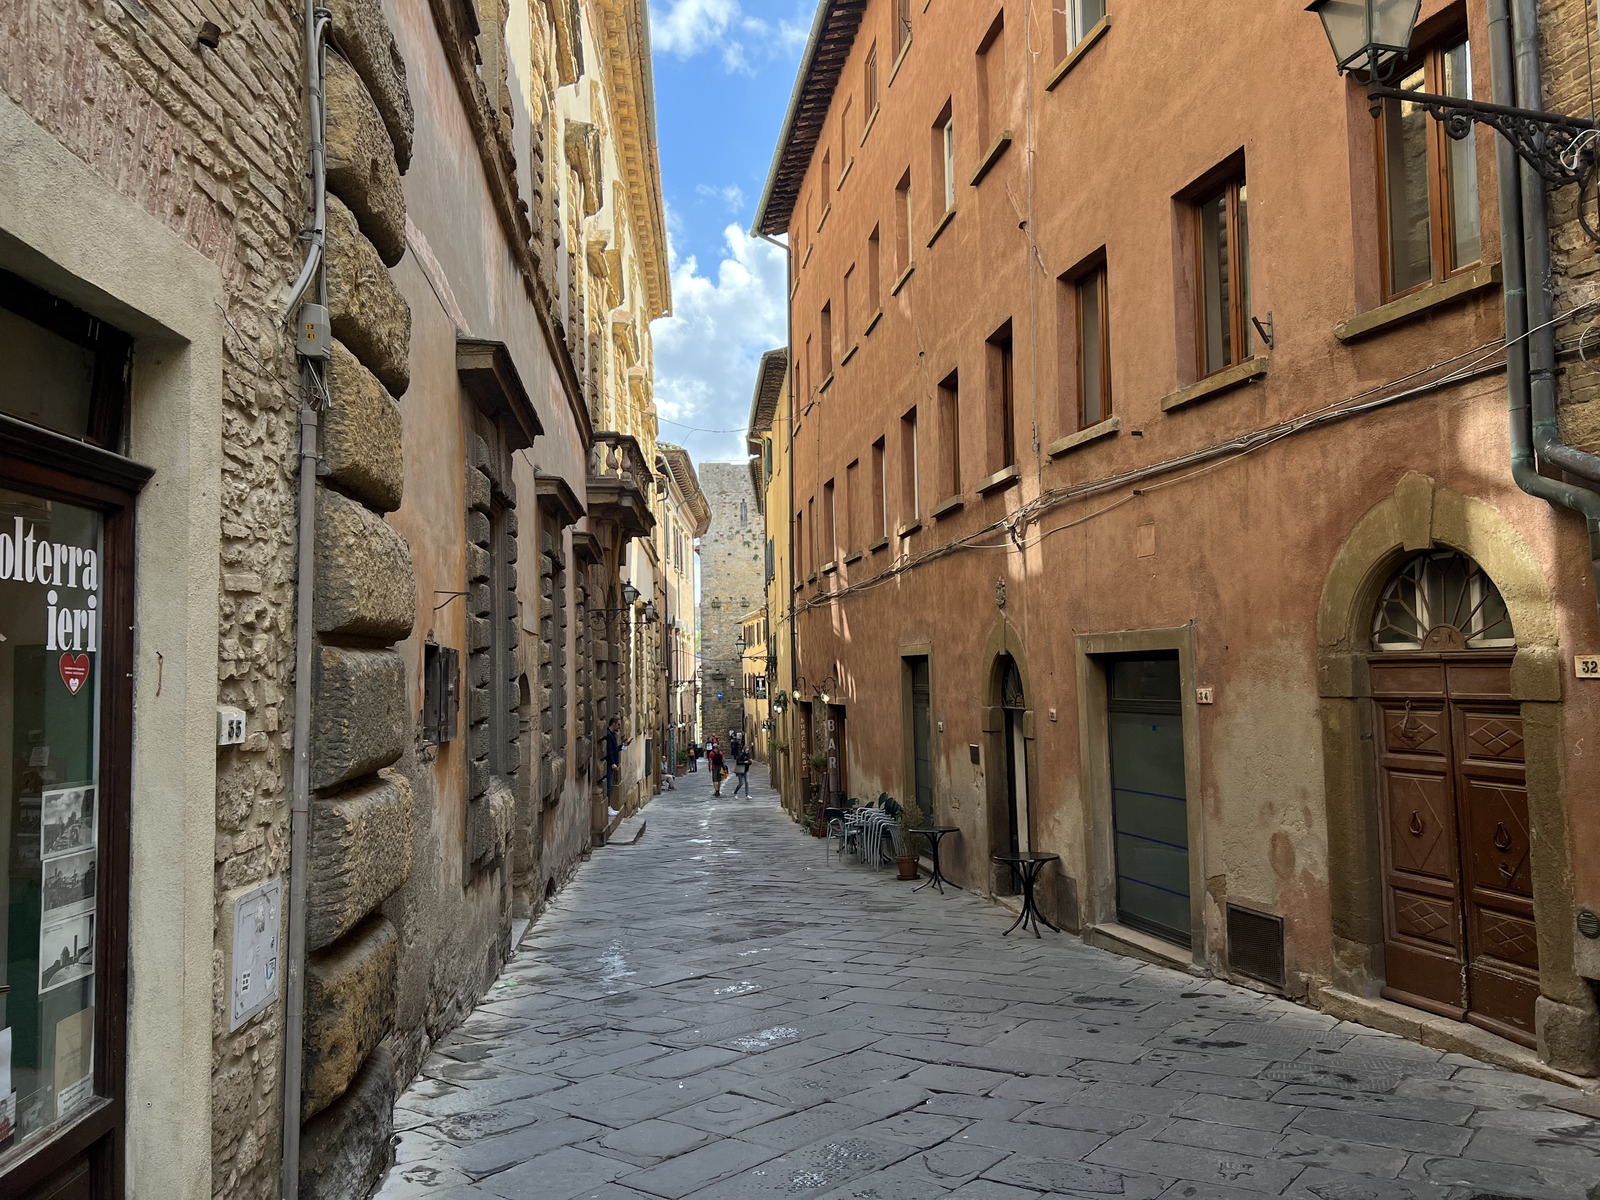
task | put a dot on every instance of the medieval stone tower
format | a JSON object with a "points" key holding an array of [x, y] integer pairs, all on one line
{"points": [[730, 586]]}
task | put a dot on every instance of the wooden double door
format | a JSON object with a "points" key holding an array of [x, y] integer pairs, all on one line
{"points": [[1459, 934]]}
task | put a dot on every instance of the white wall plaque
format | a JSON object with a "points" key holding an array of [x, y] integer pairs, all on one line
{"points": [[256, 962]]}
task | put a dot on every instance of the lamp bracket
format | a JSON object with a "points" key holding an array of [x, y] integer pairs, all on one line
{"points": [[1561, 149]]}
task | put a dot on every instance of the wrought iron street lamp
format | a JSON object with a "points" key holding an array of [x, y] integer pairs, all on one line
{"points": [[1374, 36]]}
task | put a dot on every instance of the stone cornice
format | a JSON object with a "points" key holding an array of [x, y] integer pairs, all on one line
{"points": [[631, 105], [500, 173]]}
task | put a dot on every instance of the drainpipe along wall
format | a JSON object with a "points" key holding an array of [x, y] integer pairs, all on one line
{"points": [[1525, 243], [317, 21]]}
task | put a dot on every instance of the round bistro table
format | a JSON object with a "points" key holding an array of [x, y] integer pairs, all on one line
{"points": [[935, 834], [1029, 866]]}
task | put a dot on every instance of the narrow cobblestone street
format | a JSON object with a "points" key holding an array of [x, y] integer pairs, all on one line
{"points": [[726, 1010]]}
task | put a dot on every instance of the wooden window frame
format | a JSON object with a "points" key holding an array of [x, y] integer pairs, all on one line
{"points": [[869, 82], [880, 494], [910, 467], [1430, 57], [1098, 274], [902, 27], [1238, 319], [1000, 384], [950, 435]]}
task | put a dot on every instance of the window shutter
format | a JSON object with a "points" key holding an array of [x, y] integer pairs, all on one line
{"points": [[451, 665]]}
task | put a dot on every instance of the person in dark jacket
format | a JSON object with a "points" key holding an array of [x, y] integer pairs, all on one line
{"points": [[741, 768], [613, 755], [714, 757]]}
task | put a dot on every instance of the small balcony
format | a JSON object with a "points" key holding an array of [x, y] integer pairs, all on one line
{"points": [[619, 483]]}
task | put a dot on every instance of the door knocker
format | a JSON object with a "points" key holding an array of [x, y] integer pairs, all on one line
{"points": [[1416, 824], [1502, 838]]}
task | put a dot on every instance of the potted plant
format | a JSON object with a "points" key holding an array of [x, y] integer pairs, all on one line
{"points": [[911, 844]]}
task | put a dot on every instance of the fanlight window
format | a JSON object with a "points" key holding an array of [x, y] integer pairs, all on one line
{"points": [[1441, 600], [1011, 685]]}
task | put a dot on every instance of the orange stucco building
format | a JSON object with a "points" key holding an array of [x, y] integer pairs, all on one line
{"points": [[1153, 507]]}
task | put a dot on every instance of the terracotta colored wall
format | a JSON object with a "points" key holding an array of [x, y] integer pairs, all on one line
{"points": [[1240, 550]]}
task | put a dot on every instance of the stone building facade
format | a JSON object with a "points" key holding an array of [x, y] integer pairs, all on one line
{"points": [[682, 517], [769, 450], [1180, 458], [730, 584], [482, 450]]}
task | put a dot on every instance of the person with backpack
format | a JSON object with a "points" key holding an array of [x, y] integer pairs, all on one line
{"points": [[741, 768], [714, 757]]}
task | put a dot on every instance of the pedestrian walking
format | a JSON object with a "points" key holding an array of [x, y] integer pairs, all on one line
{"points": [[694, 756], [613, 755], [716, 760], [741, 768]]}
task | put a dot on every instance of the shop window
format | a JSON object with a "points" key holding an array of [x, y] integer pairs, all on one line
{"points": [[65, 370]]}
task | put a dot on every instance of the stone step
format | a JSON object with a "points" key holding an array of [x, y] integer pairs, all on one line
{"points": [[627, 832]]}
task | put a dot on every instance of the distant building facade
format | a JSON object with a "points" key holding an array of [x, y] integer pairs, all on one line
{"points": [[730, 585], [754, 681], [768, 433], [682, 516]]}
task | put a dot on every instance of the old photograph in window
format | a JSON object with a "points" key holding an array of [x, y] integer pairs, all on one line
{"points": [[69, 886], [68, 820], [66, 951]]}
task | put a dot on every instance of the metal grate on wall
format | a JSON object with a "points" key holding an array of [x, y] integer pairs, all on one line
{"points": [[1255, 944]]}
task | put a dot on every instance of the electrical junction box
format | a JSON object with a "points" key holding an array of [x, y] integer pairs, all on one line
{"points": [[255, 951], [230, 725], [316, 339]]}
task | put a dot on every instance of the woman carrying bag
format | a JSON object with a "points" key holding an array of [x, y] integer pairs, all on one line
{"points": [[714, 757]]}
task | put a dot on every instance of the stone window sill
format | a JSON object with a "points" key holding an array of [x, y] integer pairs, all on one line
{"points": [[899, 58], [877, 545], [1077, 53], [1225, 380], [872, 119], [852, 557], [1001, 478], [845, 174], [823, 220], [908, 529], [825, 384], [811, 578], [945, 507], [829, 567], [1425, 299], [810, 246], [949, 215], [1101, 429], [873, 324], [901, 282], [849, 354], [992, 156]]}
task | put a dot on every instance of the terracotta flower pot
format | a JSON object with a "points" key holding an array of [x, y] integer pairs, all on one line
{"points": [[907, 864]]}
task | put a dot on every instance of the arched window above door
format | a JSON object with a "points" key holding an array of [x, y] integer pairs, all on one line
{"points": [[1011, 685], [1441, 600]]}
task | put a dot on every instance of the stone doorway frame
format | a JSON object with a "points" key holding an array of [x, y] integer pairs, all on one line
{"points": [[1418, 516], [1003, 640], [1094, 757]]}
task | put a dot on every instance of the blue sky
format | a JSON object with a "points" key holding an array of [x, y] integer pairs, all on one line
{"points": [[723, 73]]}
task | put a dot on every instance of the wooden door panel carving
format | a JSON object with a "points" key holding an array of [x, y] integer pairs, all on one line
{"points": [[1421, 825], [1459, 924], [1432, 919], [1416, 729]]}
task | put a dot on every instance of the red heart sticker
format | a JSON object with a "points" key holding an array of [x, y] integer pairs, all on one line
{"points": [[74, 671]]}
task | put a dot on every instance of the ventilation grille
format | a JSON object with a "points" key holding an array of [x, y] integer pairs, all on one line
{"points": [[1255, 944]]}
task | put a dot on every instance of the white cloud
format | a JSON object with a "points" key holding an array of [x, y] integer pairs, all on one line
{"points": [[732, 195], [691, 27], [707, 352]]}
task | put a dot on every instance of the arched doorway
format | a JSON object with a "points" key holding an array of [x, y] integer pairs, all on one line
{"points": [[1012, 707], [1459, 932]]}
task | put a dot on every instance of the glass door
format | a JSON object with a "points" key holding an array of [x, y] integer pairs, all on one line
{"points": [[1149, 802]]}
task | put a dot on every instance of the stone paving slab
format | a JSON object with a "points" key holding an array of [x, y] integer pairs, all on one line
{"points": [[728, 1011]]}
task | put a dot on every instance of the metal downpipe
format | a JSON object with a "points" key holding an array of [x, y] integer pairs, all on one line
{"points": [[317, 22], [1530, 378]]}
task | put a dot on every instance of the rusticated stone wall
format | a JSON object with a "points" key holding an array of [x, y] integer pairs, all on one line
{"points": [[364, 601]]}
